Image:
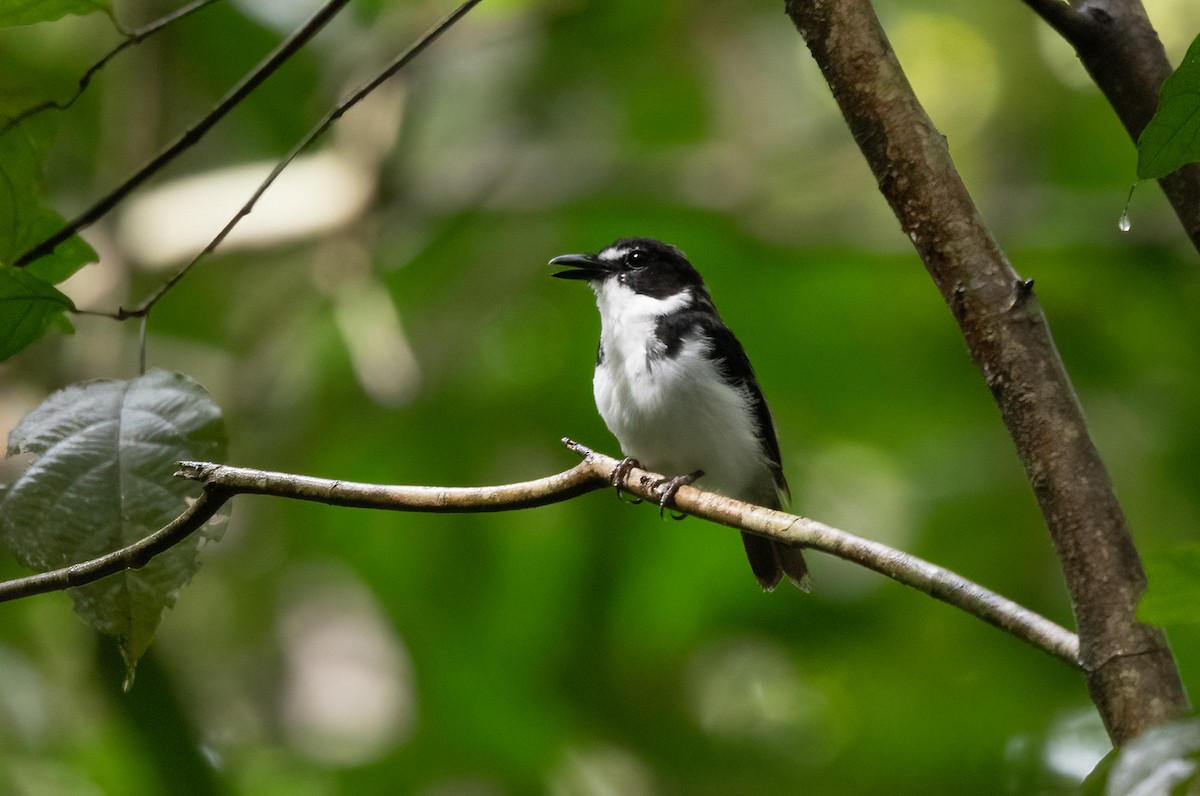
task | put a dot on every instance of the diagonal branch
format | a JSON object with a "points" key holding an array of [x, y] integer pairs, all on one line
{"points": [[1058, 14], [134, 556], [1131, 672], [593, 473], [131, 38], [318, 130], [286, 49]]}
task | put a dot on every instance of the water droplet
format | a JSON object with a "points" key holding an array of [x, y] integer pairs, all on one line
{"points": [[1123, 222]]}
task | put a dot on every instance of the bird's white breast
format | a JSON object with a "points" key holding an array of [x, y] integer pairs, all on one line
{"points": [[674, 414]]}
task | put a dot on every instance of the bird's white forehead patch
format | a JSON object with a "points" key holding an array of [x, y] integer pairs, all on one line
{"points": [[613, 254]]}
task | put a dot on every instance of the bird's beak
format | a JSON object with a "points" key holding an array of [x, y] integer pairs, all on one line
{"points": [[587, 266]]}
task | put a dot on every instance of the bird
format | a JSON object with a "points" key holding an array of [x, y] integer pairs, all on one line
{"points": [[676, 389]]}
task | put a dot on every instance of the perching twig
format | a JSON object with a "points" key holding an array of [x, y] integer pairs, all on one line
{"points": [[131, 38], [1131, 672], [286, 49], [593, 473]]}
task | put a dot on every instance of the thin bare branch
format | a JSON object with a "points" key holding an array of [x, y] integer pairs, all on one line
{"points": [[311, 136], [131, 38], [134, 556], [583, 478], [286, 49], [1131, 672], [594, 472]]}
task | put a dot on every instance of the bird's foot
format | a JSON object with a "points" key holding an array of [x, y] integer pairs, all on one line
{"points": [[620, 473], [669, 487]]}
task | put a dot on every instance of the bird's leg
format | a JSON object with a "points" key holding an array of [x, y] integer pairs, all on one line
{"points": [[620, 473], [669, 487]]}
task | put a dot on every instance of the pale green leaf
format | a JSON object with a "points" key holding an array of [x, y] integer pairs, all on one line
{"points": [[102, 479], [30, 12]]}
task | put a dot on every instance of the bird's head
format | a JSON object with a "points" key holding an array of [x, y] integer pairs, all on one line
{"points": [[642, 265]]}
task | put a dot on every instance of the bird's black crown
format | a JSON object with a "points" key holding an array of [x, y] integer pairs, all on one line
{"points": [[644, 265]]}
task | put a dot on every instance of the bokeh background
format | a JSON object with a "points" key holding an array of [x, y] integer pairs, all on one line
{"points": [[386, 315]]}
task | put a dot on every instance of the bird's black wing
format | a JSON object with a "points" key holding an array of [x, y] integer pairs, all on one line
{"points": [[734, 365], [770, 560]]}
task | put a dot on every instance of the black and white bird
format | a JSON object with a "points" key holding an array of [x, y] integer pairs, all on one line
{"points": [[676, 389]]}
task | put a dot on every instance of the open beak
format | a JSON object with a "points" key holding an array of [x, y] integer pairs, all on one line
{"points": [[587, 266]]}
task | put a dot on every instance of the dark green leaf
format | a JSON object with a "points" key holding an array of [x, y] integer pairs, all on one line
{"points": [[27, 306], [24, 222], [103, 479], [1172, 138], [29, 12], [1174, 593]]}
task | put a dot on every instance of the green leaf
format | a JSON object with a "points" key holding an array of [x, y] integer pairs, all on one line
{"points": [[1172, 138], [27, 306], [1174, 594], [103, 479], [30, 12], [24, 222]]}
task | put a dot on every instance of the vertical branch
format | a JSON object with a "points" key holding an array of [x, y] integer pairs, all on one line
{"points": [[1131, 673]]}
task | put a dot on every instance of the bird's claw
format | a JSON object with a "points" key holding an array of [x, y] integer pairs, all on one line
{"points": [[620, 473], [669, 487]]}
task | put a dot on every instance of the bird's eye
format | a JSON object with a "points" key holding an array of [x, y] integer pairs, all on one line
{"points": [[637, 257]]}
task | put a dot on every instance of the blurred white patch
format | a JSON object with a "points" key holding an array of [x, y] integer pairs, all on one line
{"points": [[860, 490], [24, 709], [749, 690], [600, 770], [174, 222], [384, 362], [283, 17], [1075, 743], [347, 693]]}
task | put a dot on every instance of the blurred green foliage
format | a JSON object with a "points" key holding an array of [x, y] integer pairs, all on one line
{"points": [[590, 644]]}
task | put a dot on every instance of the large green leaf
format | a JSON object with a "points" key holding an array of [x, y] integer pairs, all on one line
{"points": [[1172, 138], [102, 479], [27, 306], [29, 12]]}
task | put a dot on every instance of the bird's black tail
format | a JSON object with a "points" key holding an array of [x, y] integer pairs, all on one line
{"points": [[771, 560]]}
